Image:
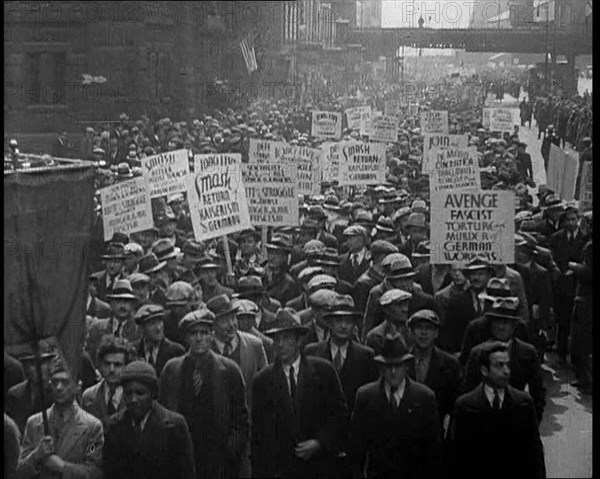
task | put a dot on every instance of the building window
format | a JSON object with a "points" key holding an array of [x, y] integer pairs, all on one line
{"points": [[45, 78]]}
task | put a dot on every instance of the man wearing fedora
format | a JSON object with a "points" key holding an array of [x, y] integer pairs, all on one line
{"points": [[247, 311], [313, 317], [73, 445], [252, 287], [181, 298], [330, 264], [299, 411], [305, 275], [193, 251], [146, 440], [208, 390], [104, 398], [495, 420], [356, 261], [395, 427], [121, 323], [207, 270], [146, 238], [525, 369], [114, 261], [548, 221], [280, 285], [166, 251], [312, 250], [154, 347], [431, 277], [159, 277], [478, 330], [416, 227], [437, 369], [95, 307], [140, 283]]}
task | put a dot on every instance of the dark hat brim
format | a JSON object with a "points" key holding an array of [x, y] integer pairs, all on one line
{"points": [[150, 317], [31, 357], [156, 268], [493, 315], [279, 247], [128, 296], [113, 256], [230, 310], [355, 315], [409, 274], [299, 328], [395, 360]]}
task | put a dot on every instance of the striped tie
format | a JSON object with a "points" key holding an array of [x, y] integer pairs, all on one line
{"points": [[197, 382]]}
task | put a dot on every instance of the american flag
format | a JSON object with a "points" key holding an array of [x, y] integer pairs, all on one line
{"points": [[247, 47]]}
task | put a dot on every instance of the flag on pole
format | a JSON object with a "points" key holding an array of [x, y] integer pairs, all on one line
{"points": [[247, 47]]}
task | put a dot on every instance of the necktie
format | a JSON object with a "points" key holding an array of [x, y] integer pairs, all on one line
{"points": [[354, 261], [137, 428], [496, 402], [151, 359], [197, 382], [110, 407], [292, 384], [228, 349], [119, 330], [337, 360], [393, 402]]}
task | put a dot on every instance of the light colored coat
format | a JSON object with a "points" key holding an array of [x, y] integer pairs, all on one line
{"points": [[80, 446]]}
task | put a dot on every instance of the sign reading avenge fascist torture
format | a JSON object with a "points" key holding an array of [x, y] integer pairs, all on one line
{"points": [[501, 119], [272, 193], [470, 224], [217, 196], [167, 173], [126, 207], [441, 141], [384, 129], [454, 168], [308, 163], [326, 124], [361, 163], [434, 121]]}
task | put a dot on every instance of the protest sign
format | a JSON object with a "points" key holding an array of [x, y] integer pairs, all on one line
{"points": [[217, 197], [326, 124], [126, 207], [585, 187], [308, 163], [454, 168], [501, 119], [470, 224], [330, 154], [441, 141], [167, 173], [434, 121], [272, 193], [384, 129], [362, 163], [365, 120], [263, 151], [353, 117]]}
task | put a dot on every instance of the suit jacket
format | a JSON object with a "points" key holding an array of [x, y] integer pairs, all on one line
{"points": [[20, 406], [444, 295], [101, 327], [278, 425], [12, 447], [443, 378], [164, 451], [517, 288], [423, 277], [538, 288], [376, 336], [402, 443], [101, 289], [252, 359], [209, 293], [98, 309], [283, 288], [362, 287], [80, 446], [13, 373], [358, 369], [525, 370], [229, 438], [478, 438], [564, 252], [459, 313], [93, 401], [167, 350], [348, 272]]}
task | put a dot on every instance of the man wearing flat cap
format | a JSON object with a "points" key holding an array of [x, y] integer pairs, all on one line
{"points": [[252, 288], [320, 300], [298, 409], [280, 285], [73, 446], [305, 276], [208, 390], [154, 347], [395, 424], [356, 261], [394, 306], [207, 270], [146, 440]]}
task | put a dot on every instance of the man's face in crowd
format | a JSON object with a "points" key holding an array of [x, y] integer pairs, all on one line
{"points": [[424, 333], [394, 374], [276, 258], [397, 312], [503, 329], [168, 229], [248, 245], [456, 273], [145, 239], [172, 264], [200, 339], [553, 214], [405, 284], [341, 327], [177, 207], [354, 243], [111, 367], [479, 278], [154, 330], [570, 221], [141, 290], [208, 277], [417, 233], [160, 278], [523, 254], [226, 327], [246, 322], [189, 262], [63, 388], [114, 266], [305, 236], [498, 374], [138, 398], [122, 309], [286, 345]]}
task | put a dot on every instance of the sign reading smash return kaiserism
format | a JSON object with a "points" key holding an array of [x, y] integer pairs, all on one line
{"points": [[454, 168], [362, 163], [326, 124], [434, 121], [272, 192], [441, 141], [217, 196], [468, 224], [167, 173], [126, 207]]}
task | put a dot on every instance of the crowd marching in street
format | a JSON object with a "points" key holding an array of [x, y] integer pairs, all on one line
{"points": [[334, 347]]}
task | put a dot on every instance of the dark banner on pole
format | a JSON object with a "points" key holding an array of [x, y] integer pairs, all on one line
{"points": [[48, 217]]}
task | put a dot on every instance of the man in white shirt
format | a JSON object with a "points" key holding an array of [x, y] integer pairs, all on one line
{"points": [[395, 425]]}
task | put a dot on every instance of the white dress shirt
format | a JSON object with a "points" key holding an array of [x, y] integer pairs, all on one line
{"points": [[221, 345], [343, 350], [116, 399], [357, 258], [286, 371], [489, 393]]}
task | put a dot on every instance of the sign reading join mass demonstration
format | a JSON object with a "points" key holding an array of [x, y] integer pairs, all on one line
{"points": [[468, 224], [263, 151], [455, 168], [126, 207], [326, 124], [501, 119], [384, 129], [362, 163], [441, 141], [217, 196], [272, 192], [434, 121], [167, 173]]}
